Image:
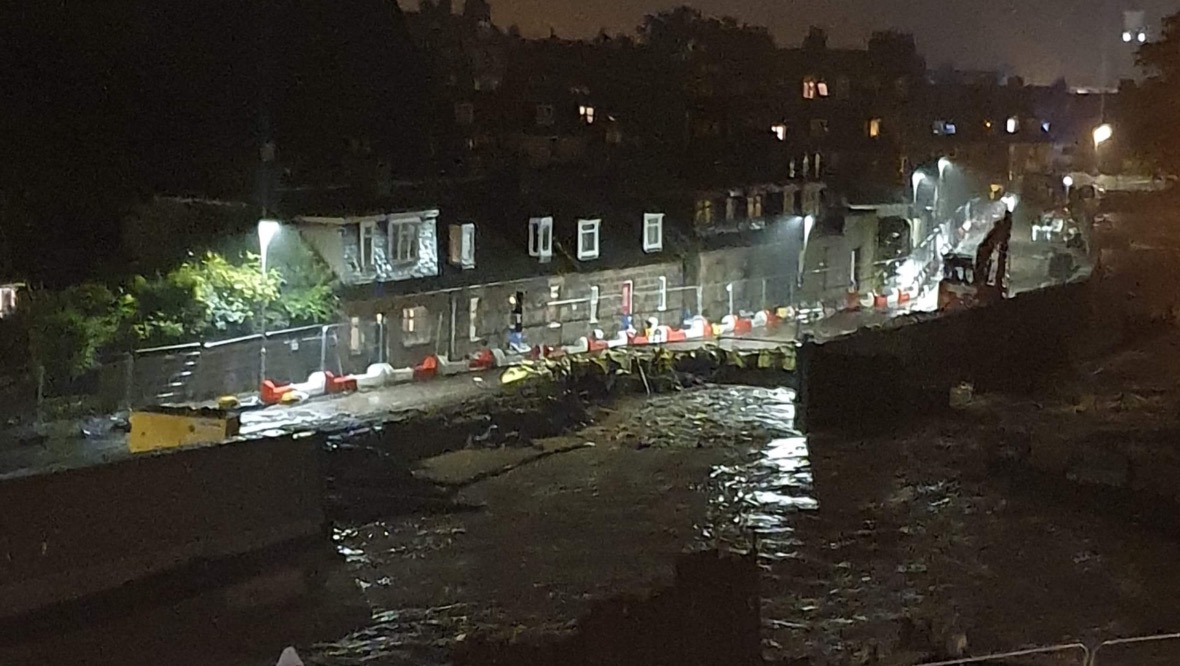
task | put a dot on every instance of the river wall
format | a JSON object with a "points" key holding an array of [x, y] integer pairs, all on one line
{"points": [[878, 379], [70, 534], [709, 616]]}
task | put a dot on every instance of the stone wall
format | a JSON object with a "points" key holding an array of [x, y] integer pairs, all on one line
{"points": [[69, 534], [877, 378]]}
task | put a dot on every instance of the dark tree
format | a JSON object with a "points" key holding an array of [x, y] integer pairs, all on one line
{"points": [[1153, 109]]}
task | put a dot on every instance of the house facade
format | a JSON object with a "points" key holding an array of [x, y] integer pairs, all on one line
{"points": [[416, 283]]}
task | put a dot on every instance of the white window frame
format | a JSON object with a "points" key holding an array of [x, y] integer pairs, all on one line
{"points": [[403, 242], [594, 304], [356, 337], [473, 319], [663, 306], [541, 238], [461, 250], [653, 222], [588, 229], [368, 260]]}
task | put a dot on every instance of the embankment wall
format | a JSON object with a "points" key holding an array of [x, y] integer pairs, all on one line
{"points": [[69, 534], [879, 378]]}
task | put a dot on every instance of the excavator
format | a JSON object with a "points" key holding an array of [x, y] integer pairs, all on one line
{"points": [[969, 281]]}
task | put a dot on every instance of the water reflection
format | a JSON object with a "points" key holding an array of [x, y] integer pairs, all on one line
{"points": [[759, 497]]}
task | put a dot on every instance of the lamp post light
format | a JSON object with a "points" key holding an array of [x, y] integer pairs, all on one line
{"points": [[916, 180], [1068, 183], [267, 230], [943, 165], [1102, 134]]}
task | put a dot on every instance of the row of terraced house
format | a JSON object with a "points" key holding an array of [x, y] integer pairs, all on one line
{"points": [[444, 279]]}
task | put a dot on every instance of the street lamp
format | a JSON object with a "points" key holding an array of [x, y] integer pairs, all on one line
{"points": [[1102, 134], [1068, 183], [267, 230]]}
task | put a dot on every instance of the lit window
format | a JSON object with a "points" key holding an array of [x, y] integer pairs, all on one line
{"points": [[1046, 126], [944, 128], [1142, 37], [653, 232], [415, 326], [473, 319], [779, 131], [1012, 125], [586, 113], [809, 87], [594, 304], [464, 113], [541, 238], [545, 115], [822, 88], [588, 239], [874, 128], [754, 206], [403, 239], [368, 246], [462, 245], [1127, 36], [704, 211]]}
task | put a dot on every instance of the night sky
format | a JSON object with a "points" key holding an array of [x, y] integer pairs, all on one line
{"points": [[1038, 39]]}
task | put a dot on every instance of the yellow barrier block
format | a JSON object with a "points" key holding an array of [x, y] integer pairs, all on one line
{"points": [[152, 430]]}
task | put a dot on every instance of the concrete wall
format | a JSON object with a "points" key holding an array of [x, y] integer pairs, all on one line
{"points": [[69, 534], [877, 378]]}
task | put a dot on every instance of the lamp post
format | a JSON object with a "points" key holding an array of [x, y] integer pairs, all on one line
{"points": [[267, 229], [943, 165], [1067, 182], [916, 180]]}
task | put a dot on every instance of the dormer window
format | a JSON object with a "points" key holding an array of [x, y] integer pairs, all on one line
{"points": [[403, 242], [368, 245], [541, 238], [588, 239], [462, 245], [653, 232]]}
